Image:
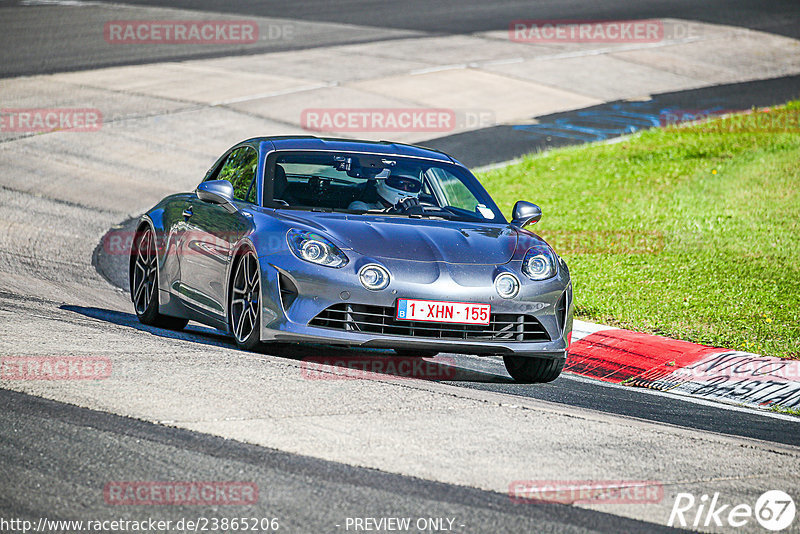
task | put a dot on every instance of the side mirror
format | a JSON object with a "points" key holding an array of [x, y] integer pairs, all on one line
{"points": [[525, 213], [217, 192]]}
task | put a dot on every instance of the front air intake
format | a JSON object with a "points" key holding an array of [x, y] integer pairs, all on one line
{"points": [[288, 290], [381, 320]]}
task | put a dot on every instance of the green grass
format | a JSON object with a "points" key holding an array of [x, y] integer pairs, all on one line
{"points": [[684, 232], [787, 411]]}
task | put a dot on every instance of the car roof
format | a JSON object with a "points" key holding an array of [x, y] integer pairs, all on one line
{"points": [[310, 142]]}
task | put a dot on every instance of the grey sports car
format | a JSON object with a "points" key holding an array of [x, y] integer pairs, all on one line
{"points": [[354, 243]]}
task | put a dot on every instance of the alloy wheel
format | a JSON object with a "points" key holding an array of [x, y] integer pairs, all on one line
{"points": [[145, 272], [245, 298]]}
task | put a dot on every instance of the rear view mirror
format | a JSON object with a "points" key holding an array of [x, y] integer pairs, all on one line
{"points": [[217, 192], [525, 213]]}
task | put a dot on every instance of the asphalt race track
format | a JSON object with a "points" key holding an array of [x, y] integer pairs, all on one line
{"points": [[189, 406], [291, 485], [487, 146], [490, 374], [24, 52]]}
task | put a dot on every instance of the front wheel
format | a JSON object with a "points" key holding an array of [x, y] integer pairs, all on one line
{"points": [[245, 299], [533, 370], [144, 283]]}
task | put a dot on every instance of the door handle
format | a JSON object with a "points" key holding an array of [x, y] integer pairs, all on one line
{"points": [[187, 212]]}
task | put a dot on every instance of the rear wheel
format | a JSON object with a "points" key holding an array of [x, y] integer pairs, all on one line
{"points": [[533, 370], [144, 283], [245, 319]]}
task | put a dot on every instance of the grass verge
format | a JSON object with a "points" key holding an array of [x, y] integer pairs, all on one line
{"points": [[691, 232], [786, 411]]}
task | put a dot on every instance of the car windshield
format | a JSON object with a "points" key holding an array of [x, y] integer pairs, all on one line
{"points": [[375, 184]]}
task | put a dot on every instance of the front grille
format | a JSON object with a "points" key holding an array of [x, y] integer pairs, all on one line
{"points": [[381, 320]]}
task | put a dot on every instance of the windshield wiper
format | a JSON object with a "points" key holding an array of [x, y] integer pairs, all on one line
{"points": [[439, 214], [443, 216]]}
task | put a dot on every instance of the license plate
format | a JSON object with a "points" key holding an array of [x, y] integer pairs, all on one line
{"points": [[443, 312]]}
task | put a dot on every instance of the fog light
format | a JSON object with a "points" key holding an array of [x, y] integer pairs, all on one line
{"points": [[374, 277], [507, 285]]}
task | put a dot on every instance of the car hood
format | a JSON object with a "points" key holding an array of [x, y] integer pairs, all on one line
{"points": [[404, 238]]}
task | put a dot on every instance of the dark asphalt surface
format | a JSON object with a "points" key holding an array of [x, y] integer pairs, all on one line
{"points": [[466, 16], [43, 36], [37, 37], [610, 120], [489, 374], [658, 408], [56, 455]]}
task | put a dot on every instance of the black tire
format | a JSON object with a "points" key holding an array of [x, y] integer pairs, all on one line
{"points": [[244, 301], [533, 370], [144, 282], [416, 353]]}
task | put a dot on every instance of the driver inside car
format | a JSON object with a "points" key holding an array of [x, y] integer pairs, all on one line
{"points": [[397, 193]]}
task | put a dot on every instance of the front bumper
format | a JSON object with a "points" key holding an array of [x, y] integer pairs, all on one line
{"points": [[316, 289]]}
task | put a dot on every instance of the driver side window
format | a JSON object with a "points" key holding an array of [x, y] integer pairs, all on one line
{"points": [[240, 170]]}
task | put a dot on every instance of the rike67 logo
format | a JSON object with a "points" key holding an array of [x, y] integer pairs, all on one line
{"points": [[774, 510]]}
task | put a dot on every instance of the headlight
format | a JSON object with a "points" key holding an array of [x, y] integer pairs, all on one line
{"points": [[507, 285], [314, 248], [540, 263], [374, 277]]}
